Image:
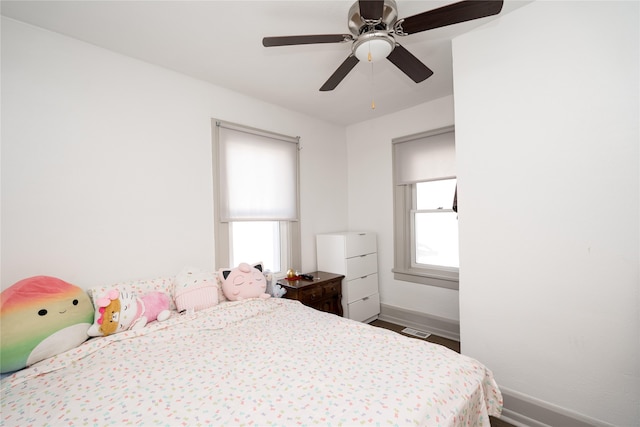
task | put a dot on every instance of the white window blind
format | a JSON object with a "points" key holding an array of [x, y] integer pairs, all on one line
{"points": [[424, 157], [257, 175]]}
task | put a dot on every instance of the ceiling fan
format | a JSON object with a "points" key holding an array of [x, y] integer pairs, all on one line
{"points": [[374, 26]]}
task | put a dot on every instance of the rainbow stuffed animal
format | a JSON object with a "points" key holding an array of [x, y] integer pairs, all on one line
{"points": [[40, 317]]}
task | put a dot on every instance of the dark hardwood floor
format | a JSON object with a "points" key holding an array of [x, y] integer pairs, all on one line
{"points": [[453, 345]]}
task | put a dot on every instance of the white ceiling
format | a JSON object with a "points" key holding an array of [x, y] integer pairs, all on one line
{"points": [[221, 42]]}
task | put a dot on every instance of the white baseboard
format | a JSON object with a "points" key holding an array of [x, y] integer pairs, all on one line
{"points": [[519, 409], [441, 326], [522, 410]]}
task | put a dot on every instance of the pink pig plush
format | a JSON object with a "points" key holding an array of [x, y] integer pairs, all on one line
{"points": [[244, 281]]}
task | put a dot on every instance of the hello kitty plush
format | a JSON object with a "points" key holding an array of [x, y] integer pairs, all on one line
{"points": [[121, 310], [244, 281]]}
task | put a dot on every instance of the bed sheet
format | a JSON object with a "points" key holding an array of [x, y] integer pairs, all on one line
{"points": [[256, 363]]}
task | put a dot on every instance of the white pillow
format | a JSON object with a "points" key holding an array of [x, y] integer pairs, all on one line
{"points": [[139, 287]]}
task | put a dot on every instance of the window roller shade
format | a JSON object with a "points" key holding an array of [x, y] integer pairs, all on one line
{"points": [[246, 159], [424, 158]]}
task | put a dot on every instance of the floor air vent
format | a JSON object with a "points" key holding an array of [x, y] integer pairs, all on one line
{"points": [[415, 333]]}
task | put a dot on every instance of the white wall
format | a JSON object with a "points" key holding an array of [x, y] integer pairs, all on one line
{"points": [[546, 109], [106, 175], [106, 163], [371, 200]]}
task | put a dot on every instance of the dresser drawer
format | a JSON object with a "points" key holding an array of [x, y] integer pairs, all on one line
{"points": [[324, 290], [323, 293], [332, 288], [365, 308], [360, 287], [310, 294], [358, 243], [361, 266]]}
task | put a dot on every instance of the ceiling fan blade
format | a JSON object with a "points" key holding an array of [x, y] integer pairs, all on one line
{"points": [[409, 64], [447, 15], [371, 9], [340, 73], [310, 39]]}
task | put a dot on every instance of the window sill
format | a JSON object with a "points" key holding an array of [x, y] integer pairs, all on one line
{"points": [[448, 280]]}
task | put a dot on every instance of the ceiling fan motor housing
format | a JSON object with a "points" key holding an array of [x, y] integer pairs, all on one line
{"points": [[358, 25], [373, 36]]}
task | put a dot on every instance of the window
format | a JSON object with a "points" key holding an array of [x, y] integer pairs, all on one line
{"points": [[253, 241], [435, 224], [256, 197], [425, 208]]}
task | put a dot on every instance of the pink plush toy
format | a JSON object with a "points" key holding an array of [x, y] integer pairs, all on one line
{"points": [[244, 281], [121, 310]]}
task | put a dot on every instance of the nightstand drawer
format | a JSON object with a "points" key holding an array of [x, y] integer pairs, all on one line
{"points": [[323, 293], [311, 294], [332, 288]]}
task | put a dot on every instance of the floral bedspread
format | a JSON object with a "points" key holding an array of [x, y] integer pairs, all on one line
{"points": [[257, 362]]}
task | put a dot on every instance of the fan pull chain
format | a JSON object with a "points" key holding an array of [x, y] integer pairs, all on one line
{"points": [[373, 101]]}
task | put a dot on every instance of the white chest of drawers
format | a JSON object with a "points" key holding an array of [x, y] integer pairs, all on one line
{"points": [[354, 255]]}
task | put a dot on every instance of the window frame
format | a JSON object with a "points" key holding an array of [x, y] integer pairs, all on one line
{"points": [[289, 229], [404, 201]]}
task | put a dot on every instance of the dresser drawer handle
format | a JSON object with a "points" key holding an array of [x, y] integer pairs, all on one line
{"points": [[365, 298]]}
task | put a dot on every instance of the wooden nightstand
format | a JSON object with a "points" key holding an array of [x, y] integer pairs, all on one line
{"points": [[323, 293]]}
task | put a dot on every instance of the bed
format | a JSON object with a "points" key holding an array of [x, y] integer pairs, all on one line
{"points": [[256, 362]]}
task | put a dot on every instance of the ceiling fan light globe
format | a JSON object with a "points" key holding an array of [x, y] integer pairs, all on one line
{"points": [[379, 48]]}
